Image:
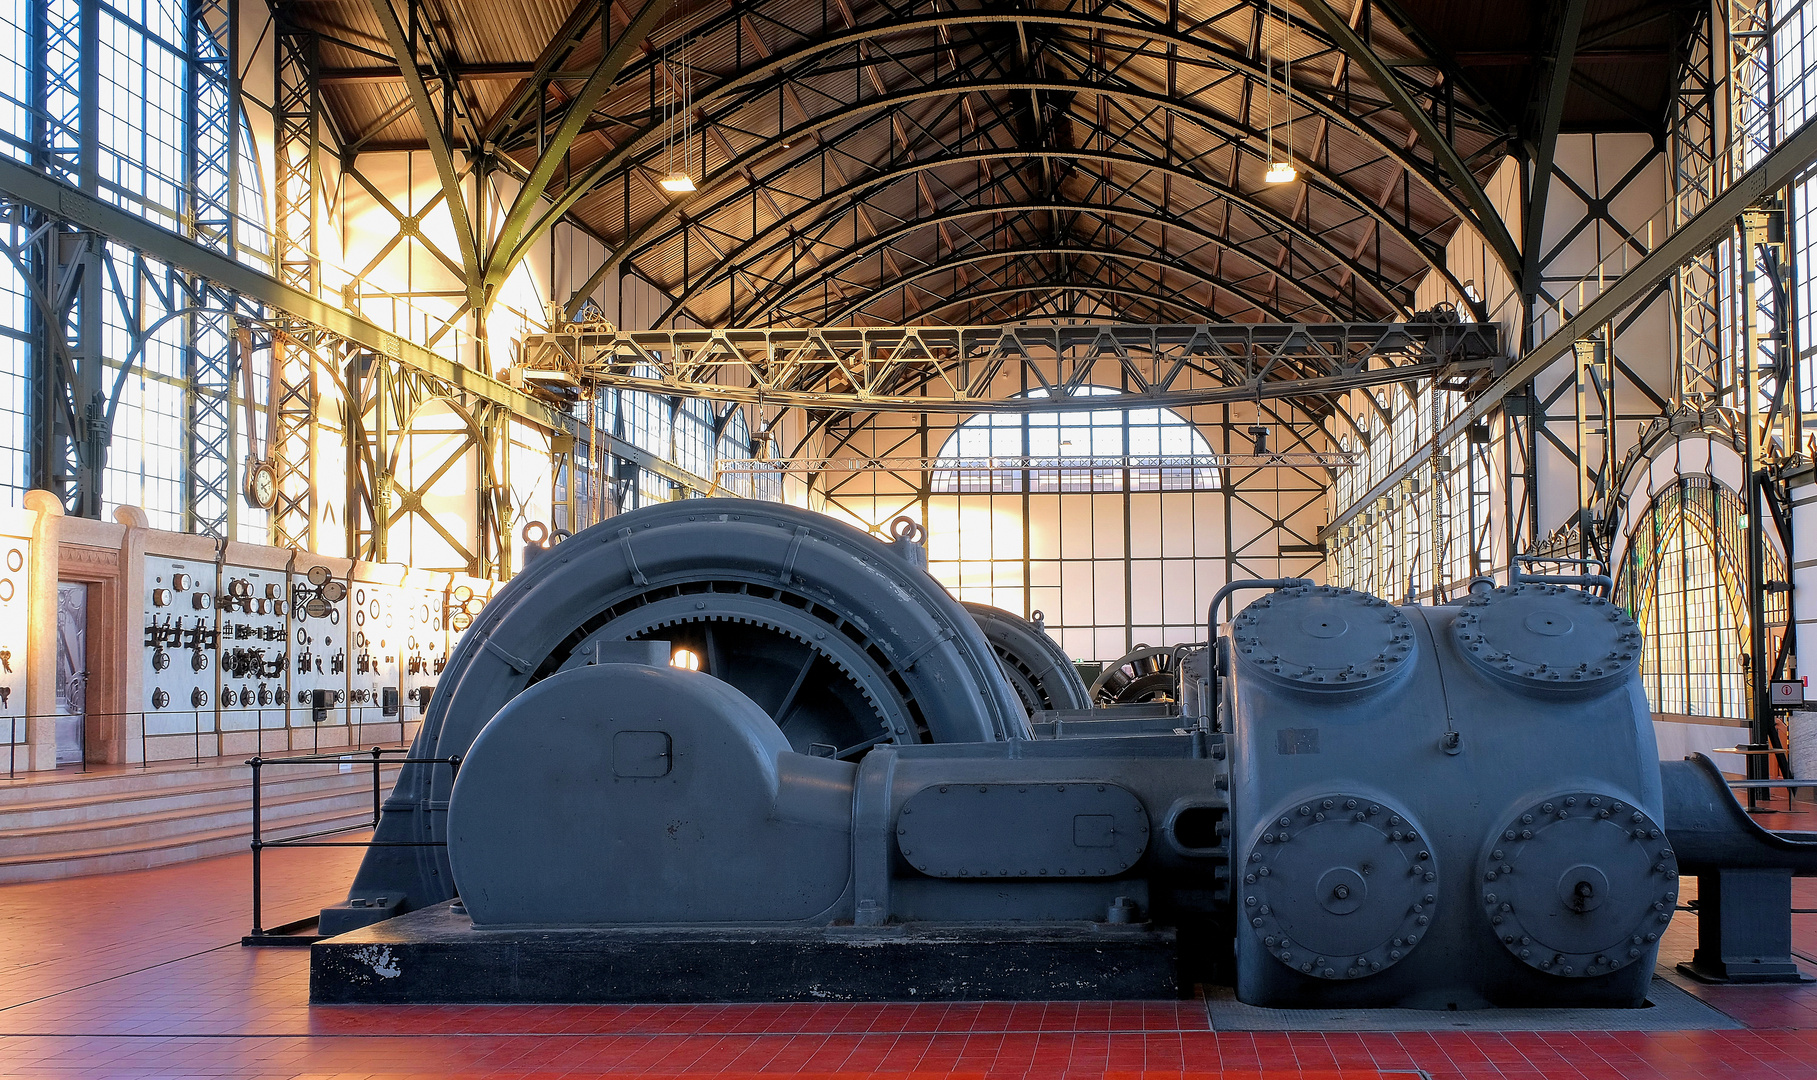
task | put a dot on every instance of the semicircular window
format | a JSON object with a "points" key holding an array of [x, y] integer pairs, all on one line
{"points": [[1112, 449]]}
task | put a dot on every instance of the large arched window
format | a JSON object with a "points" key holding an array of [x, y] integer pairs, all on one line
{"points": [[15, 381], [1080, 450], [1685, 582]]}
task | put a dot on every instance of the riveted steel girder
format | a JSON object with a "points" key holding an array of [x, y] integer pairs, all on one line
{"points": [[955, 367], [1547, 110], [1048, 288], [132, 231], [762, 307], [1231, 134], [1487, 221], [1112, 254], [758, 81], [404, 43], [855, 191], [555, 150], [1693, 238]]}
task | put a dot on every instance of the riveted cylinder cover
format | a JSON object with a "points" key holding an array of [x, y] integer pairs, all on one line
{"points": [[1424, 802], [1340, 886], [1580, 884], [1323, 640], [1548, 637]]}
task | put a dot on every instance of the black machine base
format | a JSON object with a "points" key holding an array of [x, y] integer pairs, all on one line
{"points": [[435, 956]]}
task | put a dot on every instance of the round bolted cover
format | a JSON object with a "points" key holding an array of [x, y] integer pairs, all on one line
{"points": [[1324, 639], [1548, 637], [1339, 886], [1579, 884]]}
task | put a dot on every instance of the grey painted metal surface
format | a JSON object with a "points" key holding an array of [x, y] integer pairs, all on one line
{"points": [[1744, 877], [730, 825], [1414, 826], [1379, 806], [832, 632], [623, 793], [1383, 722], [1037, 668]]}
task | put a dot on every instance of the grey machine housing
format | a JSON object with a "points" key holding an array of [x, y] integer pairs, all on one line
{"points": [[1396, 814], [1358, 804]]}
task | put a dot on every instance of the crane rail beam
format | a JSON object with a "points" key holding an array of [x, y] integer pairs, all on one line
{"points": [[1132, 463], [956, 368]]}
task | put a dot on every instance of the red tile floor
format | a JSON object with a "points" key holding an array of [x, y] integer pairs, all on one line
{"points": [[140, 975]]}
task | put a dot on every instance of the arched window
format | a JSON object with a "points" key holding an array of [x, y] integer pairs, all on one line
{"points": [[735, 445], [1684, 580], [15, 380], [1109, 450]]}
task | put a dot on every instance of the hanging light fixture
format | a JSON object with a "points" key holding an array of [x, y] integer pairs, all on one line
{"points": [[680, 177], [1280, 170]]}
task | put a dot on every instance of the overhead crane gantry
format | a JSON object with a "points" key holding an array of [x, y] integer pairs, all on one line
{"points": [[1019, 463], [954, 369]]}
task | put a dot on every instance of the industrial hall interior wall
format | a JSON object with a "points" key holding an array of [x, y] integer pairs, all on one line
{"points": [[204, 123]]}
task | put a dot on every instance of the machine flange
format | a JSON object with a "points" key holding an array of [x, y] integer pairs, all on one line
{"points": [[1524, 636], [1579, 884], [1340, 886], [1323, 639]]}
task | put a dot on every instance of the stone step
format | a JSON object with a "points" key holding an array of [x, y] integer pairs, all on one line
{"points": [[222, 788], [108, 860], [63, 786], [276, 811]]}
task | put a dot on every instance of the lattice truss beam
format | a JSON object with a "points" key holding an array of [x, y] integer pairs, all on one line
{"points": [[1695, 181], [963, 368], [881, 163], [101, 309], [1122, 146]]}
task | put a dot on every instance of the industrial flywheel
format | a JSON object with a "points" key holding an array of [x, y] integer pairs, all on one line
{"points": [[840, 636], [1037, 668]]}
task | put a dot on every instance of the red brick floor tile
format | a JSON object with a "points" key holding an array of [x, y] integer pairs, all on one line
{"points": [[140, 975]]}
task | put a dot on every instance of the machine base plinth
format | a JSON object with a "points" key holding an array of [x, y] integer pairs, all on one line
{"points": [[436, 956]]}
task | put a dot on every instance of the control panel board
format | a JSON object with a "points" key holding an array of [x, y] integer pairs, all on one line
{"points": [[318, 637], [182, 646], [15, 599], [240, 648], [253, 616], [373, 616]]}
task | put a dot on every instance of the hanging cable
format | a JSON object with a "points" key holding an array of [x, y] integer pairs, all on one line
{"points": [[1280, 167]]}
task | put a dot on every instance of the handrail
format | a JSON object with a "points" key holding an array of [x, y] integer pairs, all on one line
{"points": [[216, 724], [1602, 581], [312, 839]]}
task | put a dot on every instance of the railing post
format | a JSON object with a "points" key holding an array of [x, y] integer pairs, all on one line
{"points": [[258, 913], [376, 807]]}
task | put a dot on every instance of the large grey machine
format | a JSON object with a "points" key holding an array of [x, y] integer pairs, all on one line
{"points": [[1357, 804]]}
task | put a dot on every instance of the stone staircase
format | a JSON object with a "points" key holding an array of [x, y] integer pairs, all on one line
{"points": [[66, 824]]}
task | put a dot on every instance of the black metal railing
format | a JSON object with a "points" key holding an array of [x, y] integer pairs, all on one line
{"points": [[380, 757]]}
